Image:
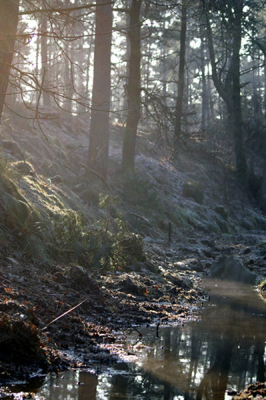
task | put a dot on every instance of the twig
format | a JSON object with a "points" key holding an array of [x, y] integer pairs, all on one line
{"points": [[98, 175], [62, 315], [71, 251], [137, 216]]}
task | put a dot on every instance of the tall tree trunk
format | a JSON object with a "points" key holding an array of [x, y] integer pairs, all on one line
{"points": [[101, 93], [147, 74], [230, 91], [37, 55], [210, 96], [8, 29], [69, 77], [205, 103], [241, 165], [44, 57], [133, 88], [264, 83], [181, 78], [263, 188]]}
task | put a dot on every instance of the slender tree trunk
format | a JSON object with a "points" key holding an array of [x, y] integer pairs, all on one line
{"points": [[241, 166], [127, 55], [210, 97], [37, 55], [263, 188], [101, 93], [164, 80], [68, 78], [181, 78], [133, 88], [204, 104], [264, 82], [8, 29], [147, 73], [44, 57]]}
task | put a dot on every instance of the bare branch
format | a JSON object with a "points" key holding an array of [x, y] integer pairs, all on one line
{"points": [[51, 10]]}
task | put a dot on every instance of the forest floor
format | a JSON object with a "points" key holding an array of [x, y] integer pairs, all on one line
{"points": [[60, 307], [253, 391]]}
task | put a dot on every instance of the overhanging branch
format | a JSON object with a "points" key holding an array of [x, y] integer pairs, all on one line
{"points": [[51, 10]]}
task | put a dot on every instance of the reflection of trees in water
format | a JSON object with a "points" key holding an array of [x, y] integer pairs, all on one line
{"points": [[196, 361], [235, 346], [259, 351], [235, 355], [225, 348], [61, 388], [87, 387], [190, 363], [214, 382], [138, 384]]}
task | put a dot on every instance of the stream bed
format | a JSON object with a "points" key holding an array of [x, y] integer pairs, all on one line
{"points": [[225, 350]]}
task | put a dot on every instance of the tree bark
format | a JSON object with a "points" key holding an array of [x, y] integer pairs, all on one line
{"points": [[44, 56], [263, 189], [8, 29], [133, 88], [181, 78], [241, 166], [230, 90], [205, 103], [101, 93]]}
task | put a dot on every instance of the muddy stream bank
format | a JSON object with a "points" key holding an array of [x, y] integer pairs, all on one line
{"points": [[200, 360], [219, 352]]}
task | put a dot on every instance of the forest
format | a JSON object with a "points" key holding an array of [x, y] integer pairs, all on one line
{"points": [[192, 71], [133, 167]]}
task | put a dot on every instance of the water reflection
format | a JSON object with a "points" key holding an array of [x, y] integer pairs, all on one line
{"points": [[198, 361], [225, 350]]}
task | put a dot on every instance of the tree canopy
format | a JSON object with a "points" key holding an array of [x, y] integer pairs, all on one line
{"points": [[186, 70]]}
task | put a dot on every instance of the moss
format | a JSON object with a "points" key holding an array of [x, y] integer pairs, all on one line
{"points": [[21, 211], [55, 200], [24, 167], [262, 290]]}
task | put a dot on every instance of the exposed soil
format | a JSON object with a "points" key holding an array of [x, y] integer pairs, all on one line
{"points": [[164, 289], [112, 302]]}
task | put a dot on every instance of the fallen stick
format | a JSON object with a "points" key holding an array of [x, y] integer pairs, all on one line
{"points": [[62, 315]]}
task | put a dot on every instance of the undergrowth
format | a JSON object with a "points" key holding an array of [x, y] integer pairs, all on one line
{"points": [[48, 229], [107, 243]]}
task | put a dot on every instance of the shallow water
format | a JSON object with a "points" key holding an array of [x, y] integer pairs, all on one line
{"points": [[200, 360]]}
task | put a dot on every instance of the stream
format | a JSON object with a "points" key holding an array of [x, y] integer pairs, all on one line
{"points": [[225, 350]]}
